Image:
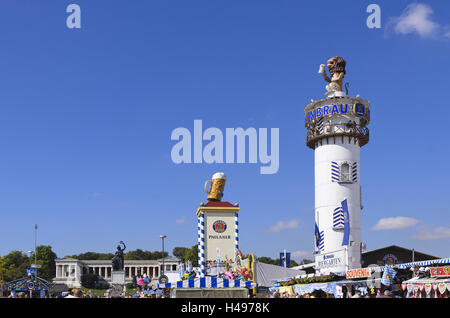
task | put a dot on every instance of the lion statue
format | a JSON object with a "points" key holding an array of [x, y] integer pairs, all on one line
{"points": [[336, 67]]}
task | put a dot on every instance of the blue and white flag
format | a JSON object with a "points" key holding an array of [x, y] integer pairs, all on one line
{"points": [[388, 275], [346, 238], [218, 256], [181, 270], [285, 259], [319, 239]]}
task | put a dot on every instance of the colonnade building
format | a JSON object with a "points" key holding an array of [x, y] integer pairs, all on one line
{"points": [[70, 270]]}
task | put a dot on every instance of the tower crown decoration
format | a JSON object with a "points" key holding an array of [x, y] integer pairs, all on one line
{"points": [[338, 115], [345, 117], [215, 191], [336, 67]]}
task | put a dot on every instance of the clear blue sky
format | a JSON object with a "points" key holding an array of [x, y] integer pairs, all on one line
{"points": [[86, 117]]}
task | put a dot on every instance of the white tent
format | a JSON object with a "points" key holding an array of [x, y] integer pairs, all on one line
{"points": [[266, 274]]}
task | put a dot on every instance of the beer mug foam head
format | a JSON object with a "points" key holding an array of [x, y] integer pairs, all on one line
{"points": [[219, 175], [215, 192]]}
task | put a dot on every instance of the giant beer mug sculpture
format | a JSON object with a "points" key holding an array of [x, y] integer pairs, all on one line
{"points": [[215, 191]]}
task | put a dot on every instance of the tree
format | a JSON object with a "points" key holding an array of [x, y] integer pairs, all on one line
{"points": [[130, 255], [137, 255], [89, 280], [192, 255], [93, 256], [46, 258], [133, 284], [180, 252], [15, 265], [268, 260], [144, 255]]}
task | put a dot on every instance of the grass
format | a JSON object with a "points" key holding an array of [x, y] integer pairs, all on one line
{"points": [[97, 292]]}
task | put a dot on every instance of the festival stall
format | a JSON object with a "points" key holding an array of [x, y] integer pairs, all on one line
{"points": [[362, 279], [424, 263], [239, 275], [437, 285], [36, 287], [147, 292], [427, 287], [209, 282], [328, 288], [308, 284]]}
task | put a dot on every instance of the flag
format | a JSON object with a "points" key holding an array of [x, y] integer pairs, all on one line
{"points": [[388, 275], [346, 238], [181, 270], [218, 256], [285, 258], [317, 236]]}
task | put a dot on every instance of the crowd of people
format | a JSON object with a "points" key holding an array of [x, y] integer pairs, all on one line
{"points": [[321, 294]]}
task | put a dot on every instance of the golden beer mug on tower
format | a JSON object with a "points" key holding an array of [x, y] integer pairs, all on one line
{"points": [[215, 191]]}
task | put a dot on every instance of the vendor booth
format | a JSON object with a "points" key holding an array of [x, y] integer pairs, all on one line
{"points": [[427, 287], [32, 285], [209, 287], [208, 282], [437, 285]]}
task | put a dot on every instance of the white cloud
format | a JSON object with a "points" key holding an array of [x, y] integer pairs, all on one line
{"points": [[181, 220], [96, 194], [432, 234], [416, 18], [280, 226], [394, 223]]}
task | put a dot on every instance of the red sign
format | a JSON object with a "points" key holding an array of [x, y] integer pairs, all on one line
{"points": [[440, 271], [358, 273]]}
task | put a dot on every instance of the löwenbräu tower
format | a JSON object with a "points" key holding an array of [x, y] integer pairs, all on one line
{"points": [[337, 129]]}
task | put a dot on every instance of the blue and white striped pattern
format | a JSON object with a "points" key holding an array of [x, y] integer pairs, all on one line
{"points": [[424, 263], [320, 125], [338, 218], [236, 232], [355, 172], [208, 282], [201, 244], [335, 174], [322, 241]]}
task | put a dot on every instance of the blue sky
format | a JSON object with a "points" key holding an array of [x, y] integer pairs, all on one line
{"points": [[86, 117]]}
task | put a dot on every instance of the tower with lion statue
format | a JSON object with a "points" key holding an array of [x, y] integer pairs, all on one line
{"points": [[336, 131]]}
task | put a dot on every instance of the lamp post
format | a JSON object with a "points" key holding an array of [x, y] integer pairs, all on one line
{"points": [[31, 259], [1, 277], [162, 238], [35, 243]]}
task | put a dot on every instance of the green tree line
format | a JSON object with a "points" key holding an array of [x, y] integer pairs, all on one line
{"points": [[14, 265], [131, 255]]}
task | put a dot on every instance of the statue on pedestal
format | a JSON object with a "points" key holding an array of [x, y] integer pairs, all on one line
{"points": [[117, 261], [336, 67]]}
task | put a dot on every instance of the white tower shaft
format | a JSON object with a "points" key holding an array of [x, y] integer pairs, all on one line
{"points": [[329, 195], [336, 132]]}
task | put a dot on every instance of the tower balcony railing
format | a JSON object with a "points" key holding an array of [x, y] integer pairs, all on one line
{"points": [[335, 130]]}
